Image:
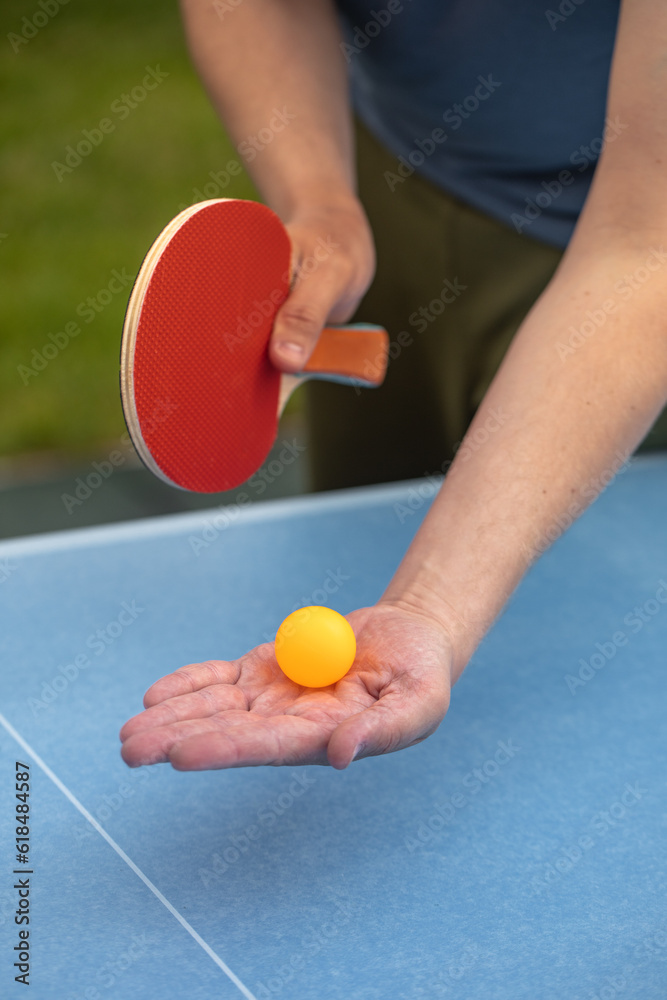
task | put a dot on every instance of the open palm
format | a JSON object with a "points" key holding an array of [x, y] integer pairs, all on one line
{"points": [[247, 712]]}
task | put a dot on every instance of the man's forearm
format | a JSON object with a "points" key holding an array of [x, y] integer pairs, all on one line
{"points": [[284, 55], [583, 381], [562, 414]]}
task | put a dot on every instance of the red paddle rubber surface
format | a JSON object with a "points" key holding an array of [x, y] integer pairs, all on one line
{"points": [[206, 395]]}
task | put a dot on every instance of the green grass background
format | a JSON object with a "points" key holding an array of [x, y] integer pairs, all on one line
{"points": [[62, 239]]}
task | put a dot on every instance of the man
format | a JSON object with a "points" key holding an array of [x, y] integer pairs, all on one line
{"points": [[581, 384]]}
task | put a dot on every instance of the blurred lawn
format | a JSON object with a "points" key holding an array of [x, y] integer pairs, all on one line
{"points": [[61, 239]]}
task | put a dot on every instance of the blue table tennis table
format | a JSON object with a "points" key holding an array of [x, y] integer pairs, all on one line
{"points": [[520, 852]]}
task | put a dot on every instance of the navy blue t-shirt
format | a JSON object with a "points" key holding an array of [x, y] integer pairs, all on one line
{"points": [[499, 102]]}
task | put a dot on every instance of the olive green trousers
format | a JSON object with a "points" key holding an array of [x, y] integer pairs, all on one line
{"points": [[452, 287]]}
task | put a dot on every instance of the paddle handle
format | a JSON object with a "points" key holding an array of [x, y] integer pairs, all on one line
{"points": [[356, 353]]}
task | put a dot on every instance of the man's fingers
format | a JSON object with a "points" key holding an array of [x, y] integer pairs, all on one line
{"points": [[252, 743], [190, 678], [232, 739], [321, 293], [298, 325], [332, 266], [198, 705]]}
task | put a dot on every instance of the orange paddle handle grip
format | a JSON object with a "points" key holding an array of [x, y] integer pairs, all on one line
{"points": [[358, 352]]}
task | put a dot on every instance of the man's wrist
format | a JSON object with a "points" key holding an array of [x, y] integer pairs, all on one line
{"points": [[320, 199], [427, 600]]}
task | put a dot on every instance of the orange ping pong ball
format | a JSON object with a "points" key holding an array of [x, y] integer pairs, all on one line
{"points": [[315, 646]]}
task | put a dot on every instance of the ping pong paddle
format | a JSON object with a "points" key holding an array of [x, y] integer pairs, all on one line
{"points": [[200, 396]]}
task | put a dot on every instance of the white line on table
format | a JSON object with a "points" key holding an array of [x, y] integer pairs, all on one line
{"points": [[128, 861]]}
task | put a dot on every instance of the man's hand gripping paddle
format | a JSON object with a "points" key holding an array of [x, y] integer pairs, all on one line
{"points": [[201, 398]]}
